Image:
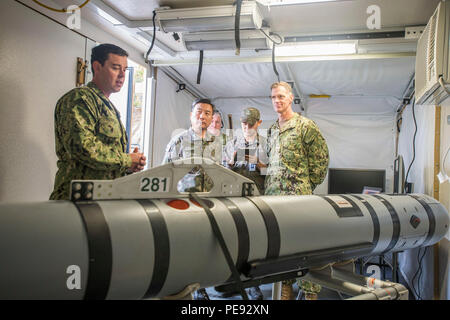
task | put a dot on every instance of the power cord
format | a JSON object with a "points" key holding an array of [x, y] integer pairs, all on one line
{"points": [[418, 273], [153, 39], [273, 51], [414, 144]]}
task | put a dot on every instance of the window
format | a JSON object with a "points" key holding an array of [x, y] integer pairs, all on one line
{"points": [[131, 101]]}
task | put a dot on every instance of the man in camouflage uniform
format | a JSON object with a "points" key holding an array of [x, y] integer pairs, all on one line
{"points": [[90, 139], [196, 142], [298, 156], [246, 154], [215, 128]]}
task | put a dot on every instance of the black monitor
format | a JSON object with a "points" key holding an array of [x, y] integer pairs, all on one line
{"points": [[341, 181]]}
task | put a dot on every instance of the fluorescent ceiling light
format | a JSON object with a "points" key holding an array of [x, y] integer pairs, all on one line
{"points": [[108, 17], [213, 18], [316, 49]]}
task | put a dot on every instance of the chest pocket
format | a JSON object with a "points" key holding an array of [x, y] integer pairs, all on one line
{"points": [[109, 129]]}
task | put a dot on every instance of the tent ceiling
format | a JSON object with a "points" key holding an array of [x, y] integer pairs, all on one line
{"points": [[380, 77]]}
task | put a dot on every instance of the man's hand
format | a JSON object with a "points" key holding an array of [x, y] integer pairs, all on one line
{"points": [[233, 160], [255, 159], [138, 161]]}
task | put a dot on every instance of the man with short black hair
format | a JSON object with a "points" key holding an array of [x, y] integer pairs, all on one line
{"points": [[196, 142], [90, 139]]}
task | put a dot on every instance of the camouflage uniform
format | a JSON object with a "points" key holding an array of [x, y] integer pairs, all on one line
{"points": [[90, 139], [298, 162], [186, 145], [298, 157], [244, 167]]}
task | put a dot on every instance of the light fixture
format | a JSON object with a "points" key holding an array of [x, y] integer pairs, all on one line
{"points": [[108, 17], [212, 18], [223, 40], [287, 2], [316, 49]]}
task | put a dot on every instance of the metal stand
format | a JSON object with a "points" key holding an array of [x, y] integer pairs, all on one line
{"points": [[343, 279]]}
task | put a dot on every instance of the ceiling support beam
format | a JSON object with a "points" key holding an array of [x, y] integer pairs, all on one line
{"points": [[268, 59]]}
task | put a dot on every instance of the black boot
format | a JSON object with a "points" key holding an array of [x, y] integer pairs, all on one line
{"points": [[254, 293], [201, 294]]}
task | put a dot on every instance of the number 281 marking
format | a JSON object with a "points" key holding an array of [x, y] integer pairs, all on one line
{"points": [[157, 184]]}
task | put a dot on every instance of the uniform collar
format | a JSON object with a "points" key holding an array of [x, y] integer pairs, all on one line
{"points": [[91, 85], [99, 92], [208, 136], [290, 123], [241, 140]]}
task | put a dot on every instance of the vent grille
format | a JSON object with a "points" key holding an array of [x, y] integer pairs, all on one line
{"points": [[431, 71]]}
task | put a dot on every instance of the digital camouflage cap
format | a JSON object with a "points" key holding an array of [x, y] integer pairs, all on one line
{"points": [[250, 115]]}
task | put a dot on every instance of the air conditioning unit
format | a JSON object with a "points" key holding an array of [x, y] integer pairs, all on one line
{"points": [[432, 66], [223, 40], [214, 18]]}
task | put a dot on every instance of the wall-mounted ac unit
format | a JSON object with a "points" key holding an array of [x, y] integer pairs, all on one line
{"points": [[212, 18], [432, 84]]}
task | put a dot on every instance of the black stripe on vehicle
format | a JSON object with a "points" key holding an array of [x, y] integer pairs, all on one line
{"points": [[100, 250], [242, 233], [375, 221], [395, 223], [431, 218], [344, 212], [272, 228], [162, 247]]}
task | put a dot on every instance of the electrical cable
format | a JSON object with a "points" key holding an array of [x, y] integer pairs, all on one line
{"points": [[273, 51], [273, 63], [271, 39], [418, 273], [415, 275], [153, 39], [58, 10], [237, 28], [414, 143], [200, 67]]}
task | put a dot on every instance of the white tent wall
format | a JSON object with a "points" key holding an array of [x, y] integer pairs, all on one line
{"points": [[172, 111], [359, 132], [234, 106], [422, 175], [37, 66]]}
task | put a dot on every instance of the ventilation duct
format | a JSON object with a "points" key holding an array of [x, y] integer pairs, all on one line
{"points": [[224, 40], [212, 18]]}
